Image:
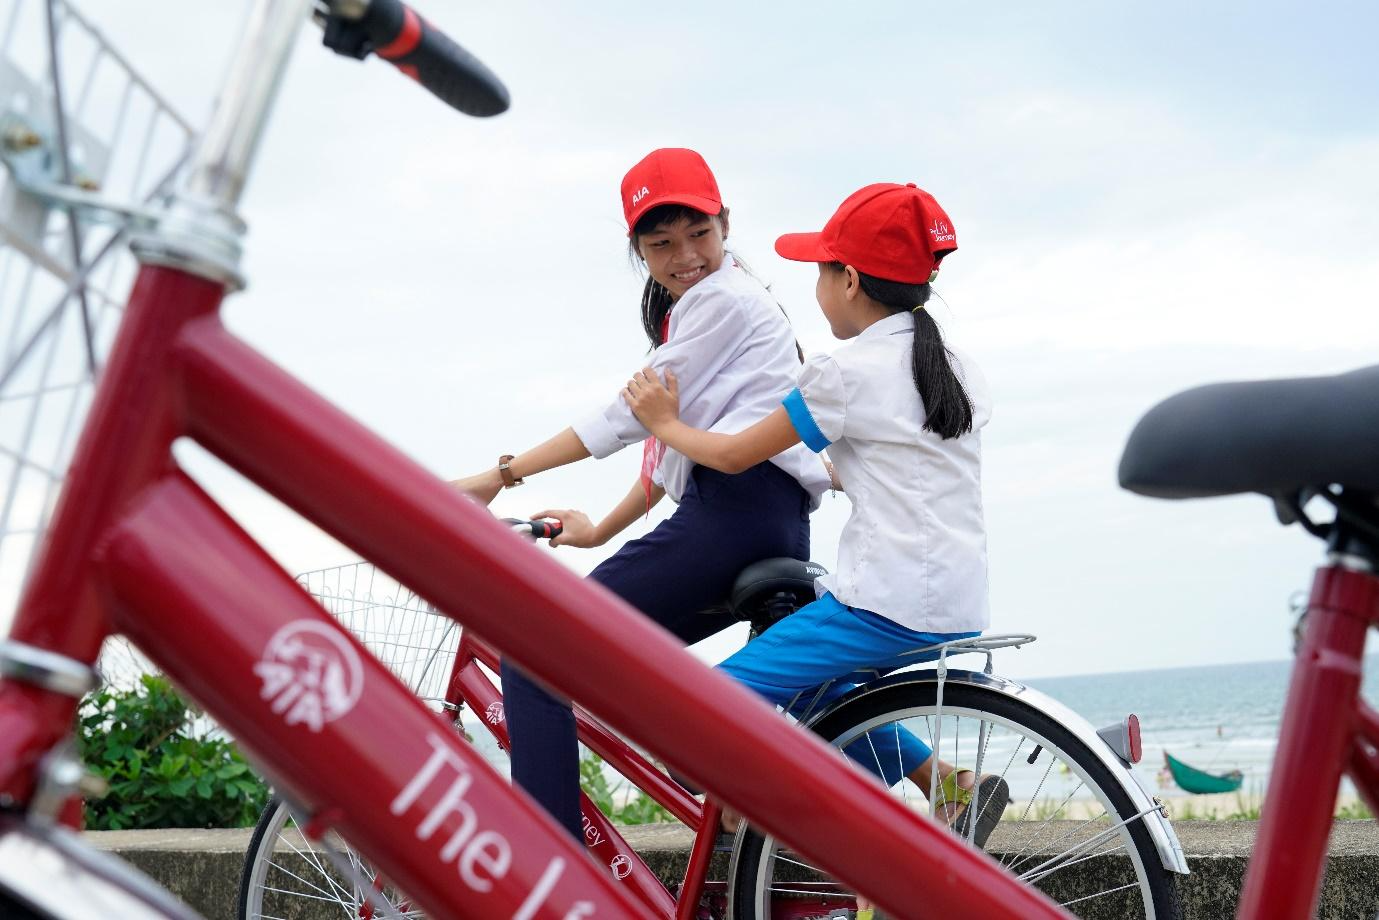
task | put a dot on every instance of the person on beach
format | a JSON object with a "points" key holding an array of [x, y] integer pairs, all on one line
{"points": [[729, 344], [901, 416]]}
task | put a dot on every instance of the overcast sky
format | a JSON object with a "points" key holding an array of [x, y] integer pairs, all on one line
{"points": [[1147, 196]]}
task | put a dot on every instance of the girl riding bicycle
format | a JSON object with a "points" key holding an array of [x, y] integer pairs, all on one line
{"points": [[729, 343], [901, 417]]}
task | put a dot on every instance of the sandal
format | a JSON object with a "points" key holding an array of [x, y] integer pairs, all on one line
{"points": [[993, 797]]}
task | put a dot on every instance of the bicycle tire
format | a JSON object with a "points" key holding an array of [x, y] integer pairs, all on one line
{"points": [[284, 878], [13, 907], [764, 875]]}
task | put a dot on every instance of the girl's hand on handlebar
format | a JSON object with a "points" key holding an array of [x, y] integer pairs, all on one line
{"points": [[482, 488], [652, 402], [576, 528]]}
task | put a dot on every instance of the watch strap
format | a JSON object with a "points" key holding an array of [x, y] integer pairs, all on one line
{"points": [[505, 471]]}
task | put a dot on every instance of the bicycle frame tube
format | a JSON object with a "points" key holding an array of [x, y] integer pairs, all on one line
{"points": [[1325, 727], [176, 371], [136, 547], [477, 690], [470, 685], [176, 567]]}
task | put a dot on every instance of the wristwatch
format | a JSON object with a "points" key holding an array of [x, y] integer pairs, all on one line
{"points": [[509, 481]]}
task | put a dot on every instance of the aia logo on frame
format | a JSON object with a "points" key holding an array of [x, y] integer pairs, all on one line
{"points": [[311, 674], [940, 232], [494, 712]]}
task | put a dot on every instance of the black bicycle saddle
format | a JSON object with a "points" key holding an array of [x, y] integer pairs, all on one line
{"points": [[761, 582], [1271, 436]]}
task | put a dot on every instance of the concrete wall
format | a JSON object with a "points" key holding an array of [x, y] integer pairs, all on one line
{"points": [[203, 867]]}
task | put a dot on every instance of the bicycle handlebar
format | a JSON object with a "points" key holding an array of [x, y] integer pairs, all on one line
{"points": [[397, 34], [537, 530]]}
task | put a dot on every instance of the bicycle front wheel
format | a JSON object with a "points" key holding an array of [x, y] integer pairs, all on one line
{"points": [[1070, 830], [288, 877]]}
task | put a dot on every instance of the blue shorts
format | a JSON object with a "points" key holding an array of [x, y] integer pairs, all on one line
{"points": [[829, 641]]}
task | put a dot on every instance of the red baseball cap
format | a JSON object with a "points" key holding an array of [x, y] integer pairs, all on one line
{"points": [[893, 232], [671, 175]]}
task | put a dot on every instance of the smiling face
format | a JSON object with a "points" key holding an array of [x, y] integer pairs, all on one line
{"points": [[681, 254]]}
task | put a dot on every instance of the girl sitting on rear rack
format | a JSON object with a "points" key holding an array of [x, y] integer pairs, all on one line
{"points": [[901, 417]]}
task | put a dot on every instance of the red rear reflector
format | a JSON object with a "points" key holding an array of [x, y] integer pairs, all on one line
{"points": [[1132, 725]]}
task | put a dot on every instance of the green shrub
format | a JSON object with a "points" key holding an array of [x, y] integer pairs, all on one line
{"points": [[1354, 811], [635, 809], [161, 770]]}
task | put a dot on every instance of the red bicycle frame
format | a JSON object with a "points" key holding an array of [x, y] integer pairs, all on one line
{"points": [[1327, 728], [136, 547], [469, 684]]}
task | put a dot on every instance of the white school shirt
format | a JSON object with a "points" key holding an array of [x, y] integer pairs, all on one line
{"points": [[914, 547], [733, 352]]}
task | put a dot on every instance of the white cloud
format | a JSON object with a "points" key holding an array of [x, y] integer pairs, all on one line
{"points": [[461, 286]]}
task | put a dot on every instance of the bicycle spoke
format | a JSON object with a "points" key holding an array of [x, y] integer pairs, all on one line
{"points": [[309, 855], [899, 764], [1034, 876], [338, 875], [1093, 841], [325, 895], [300, 894], [374, 898], [1099, 894], [977, 802], [1067, 832], [781, 857], [813, 893], [1034, 797]]}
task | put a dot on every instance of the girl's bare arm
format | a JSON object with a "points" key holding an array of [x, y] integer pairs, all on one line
{"points": [[565, 447], [578, 530]]}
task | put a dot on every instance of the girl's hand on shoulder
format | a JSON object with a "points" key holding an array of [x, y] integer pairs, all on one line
{"points": [[652, 402], [483, 488], [575, 527]]}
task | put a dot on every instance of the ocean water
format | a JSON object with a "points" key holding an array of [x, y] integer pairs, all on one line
{"points": [[1217, 718]]}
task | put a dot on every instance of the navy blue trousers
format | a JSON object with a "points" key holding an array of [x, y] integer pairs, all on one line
{"points": [[673, 574]]}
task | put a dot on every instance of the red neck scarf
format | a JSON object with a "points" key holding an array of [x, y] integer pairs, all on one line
{"points": [[652, 449]]}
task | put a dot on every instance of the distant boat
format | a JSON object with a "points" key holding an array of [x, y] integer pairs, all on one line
{"points": [[1191, 779]]}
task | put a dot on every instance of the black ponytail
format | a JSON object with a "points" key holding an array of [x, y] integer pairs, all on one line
{"points": [[947, 407], [656, 304]]}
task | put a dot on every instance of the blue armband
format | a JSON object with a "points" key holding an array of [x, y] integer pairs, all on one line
{"points": [[804, 423]]}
